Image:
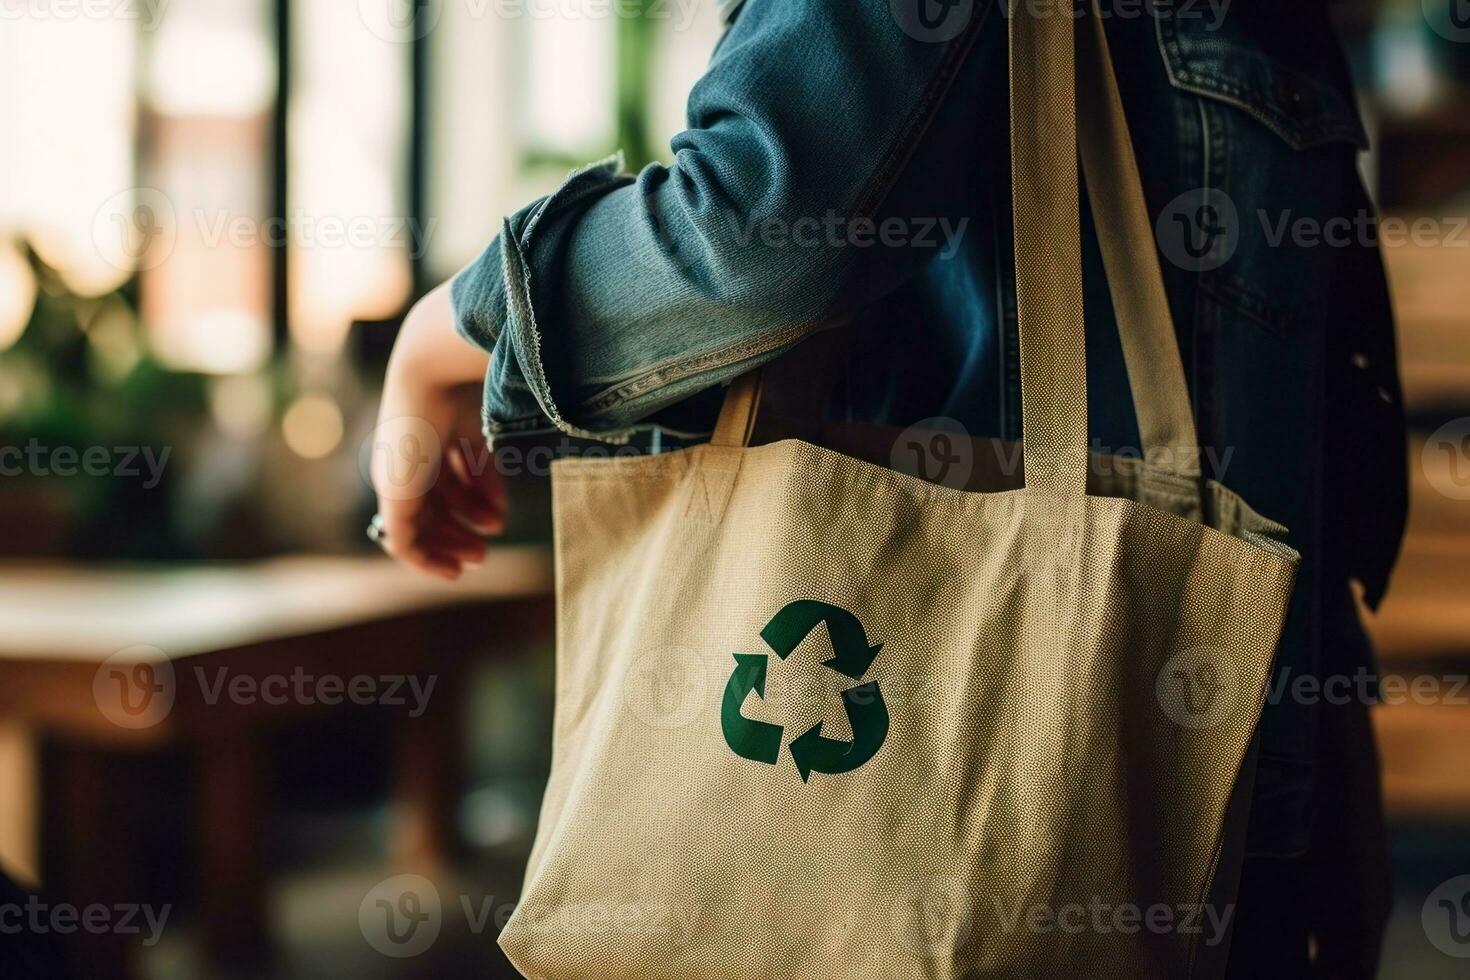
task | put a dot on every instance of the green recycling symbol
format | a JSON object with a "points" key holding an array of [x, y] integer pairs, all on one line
{"points": [[760, 741]]}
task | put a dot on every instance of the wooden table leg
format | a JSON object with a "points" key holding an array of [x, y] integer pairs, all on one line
{"points": [[428, 778], [232, 806], [88, 855], [19, 803]]}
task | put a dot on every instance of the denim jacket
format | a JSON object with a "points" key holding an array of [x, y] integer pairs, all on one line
{"points": [[846, 166]]}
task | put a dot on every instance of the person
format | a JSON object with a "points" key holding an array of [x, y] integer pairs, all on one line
{"points": [[844, 173]]}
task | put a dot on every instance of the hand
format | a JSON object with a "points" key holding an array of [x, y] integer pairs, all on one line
{"points": [[438, 490]]}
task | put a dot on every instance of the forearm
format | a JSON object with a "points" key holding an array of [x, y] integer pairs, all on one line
{"points": [[429, 351], [432, 504], [430, 368]]}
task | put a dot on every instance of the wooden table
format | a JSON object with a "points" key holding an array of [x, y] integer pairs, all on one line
{"points": [[97, 663]]}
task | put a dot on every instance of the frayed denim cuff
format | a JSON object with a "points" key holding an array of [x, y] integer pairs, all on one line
{"points": [[494, 305]]}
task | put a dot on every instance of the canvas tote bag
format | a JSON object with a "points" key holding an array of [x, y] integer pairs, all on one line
{"points": [[818, 719]]}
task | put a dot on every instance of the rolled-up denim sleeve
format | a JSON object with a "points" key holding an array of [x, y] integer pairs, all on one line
{"points": [[618, 295]]}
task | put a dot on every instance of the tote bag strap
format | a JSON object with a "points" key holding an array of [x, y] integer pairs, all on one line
{"points": [[1045, 80], [1131, 261], [1045, 205], [1044, 146], [738, 412]]}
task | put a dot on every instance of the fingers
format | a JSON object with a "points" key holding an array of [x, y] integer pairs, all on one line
{"points": [[478, 471], [403, 540], [476, 498], [426, 535], [436, 501], [445, 538]]}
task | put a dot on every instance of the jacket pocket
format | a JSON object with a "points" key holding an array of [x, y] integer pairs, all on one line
{"points": [[1270, 101], [1283, 67]]}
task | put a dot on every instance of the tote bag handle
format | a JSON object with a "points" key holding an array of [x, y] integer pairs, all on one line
{"points": [[1045, 82], [1044, 146]]}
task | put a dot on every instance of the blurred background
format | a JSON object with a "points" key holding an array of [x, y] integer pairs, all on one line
{"points": [[213, 215]]}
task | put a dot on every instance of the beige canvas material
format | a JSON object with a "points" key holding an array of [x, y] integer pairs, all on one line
{"points": [[1045, 209], [1120, 215], [1067, 673]]}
